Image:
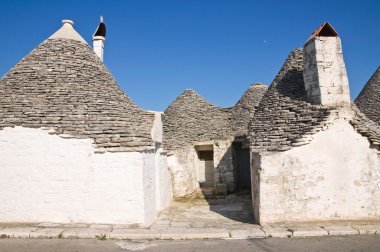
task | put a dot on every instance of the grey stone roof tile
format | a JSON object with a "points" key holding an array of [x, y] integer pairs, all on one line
{"points": [[284, 119], [191, 118], [368, 100], [64, 86]]}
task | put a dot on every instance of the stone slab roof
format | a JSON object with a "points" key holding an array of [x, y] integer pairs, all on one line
{"points": [[368, 100], [191, 118], [364, 126], [284, 119], [243, 111], [64, 86]]}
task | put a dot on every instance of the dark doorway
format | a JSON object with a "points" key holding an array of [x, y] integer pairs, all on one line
{"points": [[242, 165], [206, 168]]}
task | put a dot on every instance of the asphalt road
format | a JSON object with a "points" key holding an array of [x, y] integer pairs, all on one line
{"points": [[337, 244]]}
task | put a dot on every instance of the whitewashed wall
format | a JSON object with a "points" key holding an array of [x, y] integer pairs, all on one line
{"points": [[335, 177], [184, 169], [164, 190], [47, 178]]}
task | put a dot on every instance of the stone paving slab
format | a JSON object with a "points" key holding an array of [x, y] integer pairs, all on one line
{"points": [[49, 224], [86, 233], [255, 232], [194, 233], [308, 231], [104, 226], [76, 225], [17, 232], [125, 226], [134, 234], [277, 232], [367, 229], [180, 224], [47, 233], [341, 230]]}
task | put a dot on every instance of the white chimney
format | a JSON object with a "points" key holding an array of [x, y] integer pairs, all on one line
{"points": [[98, 39], [325, 75]]}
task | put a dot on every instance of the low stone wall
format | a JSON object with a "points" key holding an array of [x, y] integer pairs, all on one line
{"points": [[46, 178], [335, 177]]}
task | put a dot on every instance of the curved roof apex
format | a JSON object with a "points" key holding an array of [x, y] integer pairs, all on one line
{"points": [[257, 87], [253, 93], [67, 32], [191, 95]]}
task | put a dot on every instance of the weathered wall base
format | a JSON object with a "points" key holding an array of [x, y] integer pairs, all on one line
{"points": [[46, 178], [335, 177]]}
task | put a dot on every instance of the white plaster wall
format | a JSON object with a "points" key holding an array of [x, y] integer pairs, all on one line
{"points": [[164, 192], [223, 161], [184, 169], [98, 44], [335, 177], [150, 187], [47, 178]]}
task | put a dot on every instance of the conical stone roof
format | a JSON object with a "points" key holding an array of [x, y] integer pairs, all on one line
{"points": [[244, 109], [191, 118], [368, 100], [64, 86], [284, 119]]}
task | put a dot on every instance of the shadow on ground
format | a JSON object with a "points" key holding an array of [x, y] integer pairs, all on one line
{"points": [[236, 207]]}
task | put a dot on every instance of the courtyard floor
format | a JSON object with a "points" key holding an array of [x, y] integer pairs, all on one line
{"points": [[209, 211]]}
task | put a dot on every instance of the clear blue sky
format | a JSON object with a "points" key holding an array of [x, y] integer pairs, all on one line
{"points": [[157, 49]]}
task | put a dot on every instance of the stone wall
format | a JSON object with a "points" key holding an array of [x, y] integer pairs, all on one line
{"points": [[335, 177], [325, 74], [184, 166], [224, 164], [46, 178]]}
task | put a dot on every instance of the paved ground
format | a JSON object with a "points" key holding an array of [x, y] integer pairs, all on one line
{"points": [[216, 217], [234, 210], [366, 243]]}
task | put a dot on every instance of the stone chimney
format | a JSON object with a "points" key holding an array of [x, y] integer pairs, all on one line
{"points": [[98, 39], [324, 73]]}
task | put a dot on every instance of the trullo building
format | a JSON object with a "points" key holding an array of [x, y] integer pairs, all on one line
{"points": [[314, 155], [73, 146]]}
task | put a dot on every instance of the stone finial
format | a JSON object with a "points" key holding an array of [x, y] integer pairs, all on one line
{"points": [[66, 21], [67, 32]]}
